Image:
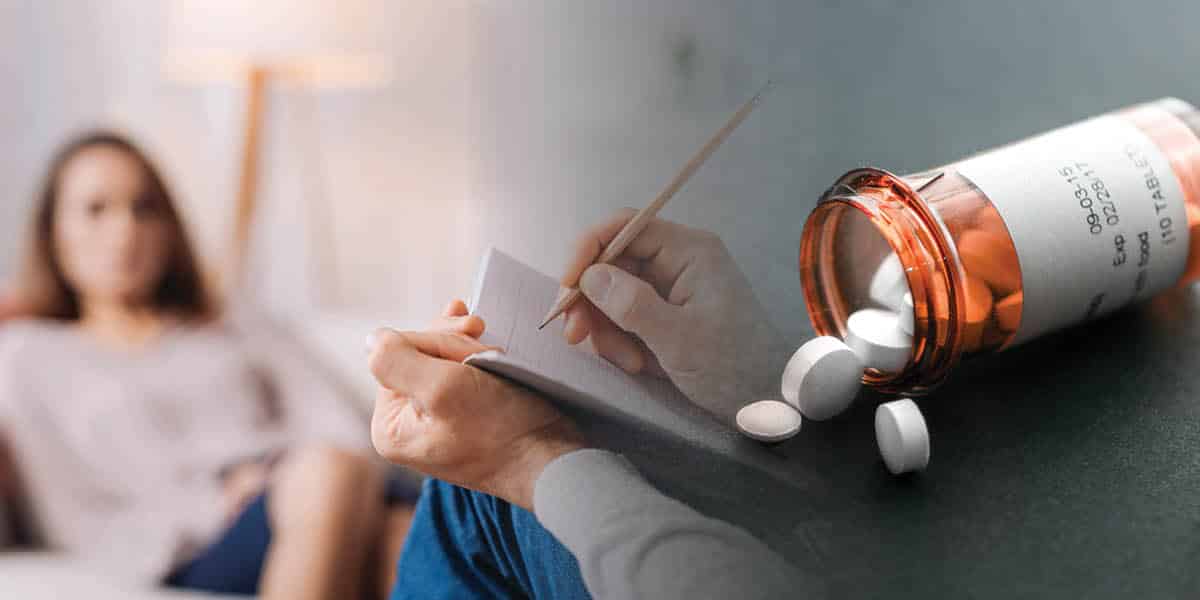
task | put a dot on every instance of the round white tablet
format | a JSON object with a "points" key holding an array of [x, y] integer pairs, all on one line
{"points": [[902, 436], [906, 314], [875, 335], [768, 421], [822, 377], [888, 284]]}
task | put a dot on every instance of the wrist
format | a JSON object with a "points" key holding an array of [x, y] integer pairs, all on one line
{"points": [[532, 459]]}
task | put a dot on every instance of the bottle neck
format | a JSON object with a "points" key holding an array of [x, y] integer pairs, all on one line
{"points": [[868, 213]]}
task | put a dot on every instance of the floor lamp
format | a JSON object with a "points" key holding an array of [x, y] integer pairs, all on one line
{"points": [[263, 43]]}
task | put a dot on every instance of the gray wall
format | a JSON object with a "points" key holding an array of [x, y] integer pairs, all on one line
{"points": [[516, 124], [594, 106]]}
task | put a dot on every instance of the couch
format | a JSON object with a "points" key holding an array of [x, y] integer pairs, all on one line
{"points": [[335, 341]]}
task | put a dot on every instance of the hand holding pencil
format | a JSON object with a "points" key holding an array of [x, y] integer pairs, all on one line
{"points": [[676, 305], [569, 295], [673, 303]]}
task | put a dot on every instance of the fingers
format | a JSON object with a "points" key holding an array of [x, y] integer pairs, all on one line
{"points": [[469, 325], [668, 246], [456, 308], [576, 325], [618, 347], [455, 318], [589, 245], [411, 361], [576, 321], [629, 302]]}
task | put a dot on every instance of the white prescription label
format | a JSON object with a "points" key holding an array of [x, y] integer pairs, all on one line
{"points": [[1096, 215]]}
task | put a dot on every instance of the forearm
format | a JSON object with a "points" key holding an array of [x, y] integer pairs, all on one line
{"points": [[632, 541]]}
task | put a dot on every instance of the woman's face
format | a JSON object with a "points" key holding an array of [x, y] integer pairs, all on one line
{"points": [[111, 239]]}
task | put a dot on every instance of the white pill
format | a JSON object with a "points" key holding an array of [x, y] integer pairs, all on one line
{"points": [[822, 377], [768, 421], [875, 335], [906, 314], [888, 284], [902, 436]]}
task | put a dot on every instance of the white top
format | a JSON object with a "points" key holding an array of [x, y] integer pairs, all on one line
{"points": [[119, 452]]}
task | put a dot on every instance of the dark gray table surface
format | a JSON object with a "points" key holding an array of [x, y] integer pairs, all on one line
{"points": [[1063, 468]]}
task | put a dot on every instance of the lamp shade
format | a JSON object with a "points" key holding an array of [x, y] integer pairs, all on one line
{"points": [[323, 44]]}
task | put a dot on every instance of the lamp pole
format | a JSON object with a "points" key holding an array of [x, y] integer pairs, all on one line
{"points": [[248, 178]]}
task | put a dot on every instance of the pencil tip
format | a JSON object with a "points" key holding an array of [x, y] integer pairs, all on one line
{"points": [[550, 316]]}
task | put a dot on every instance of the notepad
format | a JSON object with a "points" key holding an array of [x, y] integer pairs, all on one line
{"points": [[512, 297], [676, 445]]}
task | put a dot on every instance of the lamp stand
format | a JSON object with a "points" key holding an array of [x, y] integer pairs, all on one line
{"points": [[248, 177]]}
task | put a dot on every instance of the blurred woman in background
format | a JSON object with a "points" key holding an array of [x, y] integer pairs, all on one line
{"points": [[149, 437]]}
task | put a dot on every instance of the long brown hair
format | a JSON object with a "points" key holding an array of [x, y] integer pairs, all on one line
{"points": [[44, 288]]}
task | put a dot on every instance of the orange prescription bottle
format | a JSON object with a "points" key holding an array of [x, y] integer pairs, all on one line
{"points": [[1014, 242]]}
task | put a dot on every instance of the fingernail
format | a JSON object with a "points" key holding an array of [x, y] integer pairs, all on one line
{"points": [[595, 283], [371, 338]]}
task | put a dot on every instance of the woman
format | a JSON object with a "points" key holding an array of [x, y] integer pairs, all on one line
{"points": [[151, 439]]}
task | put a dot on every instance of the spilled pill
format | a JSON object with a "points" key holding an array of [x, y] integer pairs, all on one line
{"points": [[876, 337], [822, 378], [902, 436], [768, 421]]}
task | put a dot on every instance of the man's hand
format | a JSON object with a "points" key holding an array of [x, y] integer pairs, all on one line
{"points": [[458, 423], [675, 303]]}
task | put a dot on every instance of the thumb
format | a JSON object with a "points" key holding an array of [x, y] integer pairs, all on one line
{"points": [[632, 303]]}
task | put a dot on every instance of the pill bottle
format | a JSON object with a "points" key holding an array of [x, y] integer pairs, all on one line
{"points": [[1014, 242]]}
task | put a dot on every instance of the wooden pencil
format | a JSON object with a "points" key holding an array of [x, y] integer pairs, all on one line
{"points": [[568, 296]]}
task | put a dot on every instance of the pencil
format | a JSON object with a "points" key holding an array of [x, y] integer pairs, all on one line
{"points": [[568, 296]]}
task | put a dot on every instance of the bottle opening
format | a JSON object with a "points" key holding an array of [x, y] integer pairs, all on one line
{"points": [[870, 241], [1008, 244]]}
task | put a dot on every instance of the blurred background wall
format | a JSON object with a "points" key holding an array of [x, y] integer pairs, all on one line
{"points": [[516, 124], [359, 189]]}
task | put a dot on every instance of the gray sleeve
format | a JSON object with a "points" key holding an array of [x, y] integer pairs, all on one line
{"points": [[632, 541]]}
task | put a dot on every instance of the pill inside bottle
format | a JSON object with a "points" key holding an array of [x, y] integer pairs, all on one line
{"points": [[1009, 244], [877, 336]]}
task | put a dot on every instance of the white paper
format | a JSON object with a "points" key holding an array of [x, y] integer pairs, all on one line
{"points": [[512, 298]]}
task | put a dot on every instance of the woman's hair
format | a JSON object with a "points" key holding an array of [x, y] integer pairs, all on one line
{"points": [[44, 288]]}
